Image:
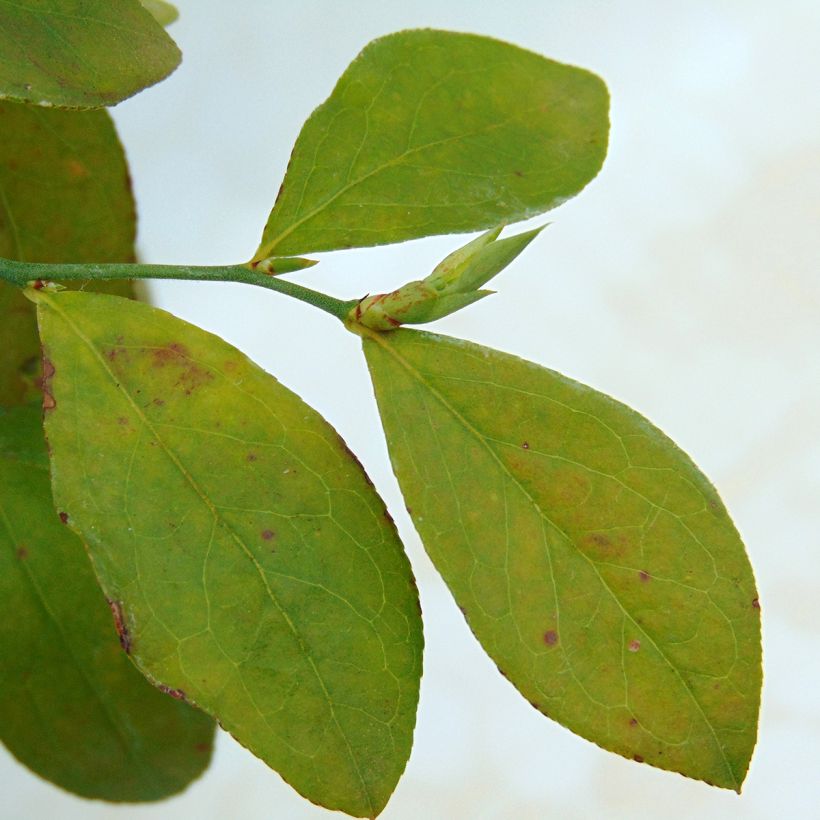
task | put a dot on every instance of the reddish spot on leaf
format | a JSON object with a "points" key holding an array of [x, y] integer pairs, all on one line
{"points": [[756, 603], [644, 576], [526, 445], [201, 747], [268, 535], [177, 694], [45, 384], [158, 402], [550, 637], [64, 517], [22, 553], [637, 758], [76, 169], [634, 645], [120, 624], [633, 722]]}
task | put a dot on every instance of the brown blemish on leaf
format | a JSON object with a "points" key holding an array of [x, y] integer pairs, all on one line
{"points": [[354, 457], [756, 603], [550, 637], [22, 553], [637, 758], [158, 402], [76, 169], [191, 375], [45, 384], [201, 747], [634, 645], [122, 421], [644, 576], [168, 353], [120, 624], [268, 535], [64, 517], [633, 722], [251, 457], [526, 445], [177, 694]]}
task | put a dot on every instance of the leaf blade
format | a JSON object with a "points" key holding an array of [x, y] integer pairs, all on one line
{"points": [[72, 706], [433, 132], [65, 196], [110, 51], [588, 587], [260, 575]]}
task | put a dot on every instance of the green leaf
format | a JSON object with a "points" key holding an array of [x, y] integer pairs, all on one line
{"points": [[257, 569], [431, 132], [72, 706], [80, 55], [65, 196], [163, 13], [593, 561]]}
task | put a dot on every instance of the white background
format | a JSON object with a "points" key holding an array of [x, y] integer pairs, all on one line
{"points": [[683, 281]]}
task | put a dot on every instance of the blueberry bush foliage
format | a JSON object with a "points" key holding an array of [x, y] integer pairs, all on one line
{"points": [[178, 547]]}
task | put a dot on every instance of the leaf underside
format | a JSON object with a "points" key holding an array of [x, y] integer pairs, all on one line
{"points": [[65, 196], [593, 561], [431, 132], [72, 706], [81, 55], [256, 569]]}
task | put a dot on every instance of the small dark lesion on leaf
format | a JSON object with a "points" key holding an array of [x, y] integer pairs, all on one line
{"points": [[120, 624], [525, 445], [251, 457], [63, 517], [634, 645], [201, 747], [519, 173], [49, 402], [268, 535], [550, 637], [122, 421], [177, 694], [22, 553], [756, 603], [158, 402], [637, 758], [633, 722], [644, 576]]}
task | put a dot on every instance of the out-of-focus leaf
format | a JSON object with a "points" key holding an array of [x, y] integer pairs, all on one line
{"points": [[81, 54], [65, 196], [431, 132], [593, 561], [254, 565], [72, 706], [164, 13]]}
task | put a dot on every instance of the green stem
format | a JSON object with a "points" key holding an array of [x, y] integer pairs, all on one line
{"points": [[23, 274]]}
